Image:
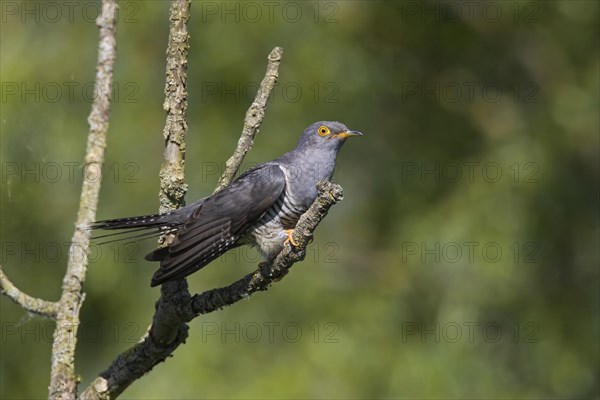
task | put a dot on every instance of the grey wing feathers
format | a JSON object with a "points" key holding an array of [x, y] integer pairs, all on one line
{"points": [[219, 222]]}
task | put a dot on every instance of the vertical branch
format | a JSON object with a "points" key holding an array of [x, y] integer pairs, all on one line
{"points": [[167, 324], [63, 383], [172, 172]]}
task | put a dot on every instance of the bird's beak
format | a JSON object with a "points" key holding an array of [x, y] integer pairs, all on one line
{"points": [[348, 133]]}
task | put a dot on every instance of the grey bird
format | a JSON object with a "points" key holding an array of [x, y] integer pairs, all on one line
{"points": [[261, 207]]}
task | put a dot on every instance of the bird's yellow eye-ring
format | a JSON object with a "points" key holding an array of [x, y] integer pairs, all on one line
{"points": [[323, 130]]}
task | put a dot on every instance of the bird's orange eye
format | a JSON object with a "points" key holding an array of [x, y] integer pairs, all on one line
{"points": [[323, 130]]}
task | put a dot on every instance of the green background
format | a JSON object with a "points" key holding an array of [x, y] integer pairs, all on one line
{"points": [[463, 262]]}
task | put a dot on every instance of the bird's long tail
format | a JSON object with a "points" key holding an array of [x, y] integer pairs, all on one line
{"points": [[135, 228]]}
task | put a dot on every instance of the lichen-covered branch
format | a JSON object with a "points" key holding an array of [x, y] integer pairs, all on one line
{"points": [[172, 172], [168, 330], [63, 383], [166, 325], [253, 119], [32, 304]]}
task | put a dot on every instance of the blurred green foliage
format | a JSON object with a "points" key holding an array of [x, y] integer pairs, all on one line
{"points": [[463, 262]]}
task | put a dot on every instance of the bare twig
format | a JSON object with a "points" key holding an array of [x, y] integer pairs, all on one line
{"points": [[63, 384], [31, 304], [253, 119]]}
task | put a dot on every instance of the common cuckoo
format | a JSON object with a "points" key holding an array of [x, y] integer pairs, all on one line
{"points": [[261, 207]]}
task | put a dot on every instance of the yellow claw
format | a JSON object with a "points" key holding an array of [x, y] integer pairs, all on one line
{"points": [[290, 239]]}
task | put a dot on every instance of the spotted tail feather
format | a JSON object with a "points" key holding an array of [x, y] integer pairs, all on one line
{"points": [[143, 221], [136, 228]]}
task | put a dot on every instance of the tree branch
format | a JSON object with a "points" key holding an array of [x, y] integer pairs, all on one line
{"points": [[253, 119], [172, 171], [31, 304], [166, 325], [63, 384]]}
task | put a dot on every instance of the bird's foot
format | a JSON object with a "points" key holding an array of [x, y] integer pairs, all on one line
{"points": [[290, 239]]}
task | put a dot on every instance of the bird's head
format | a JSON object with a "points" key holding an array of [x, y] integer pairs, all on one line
{"points": [[326, 135]]}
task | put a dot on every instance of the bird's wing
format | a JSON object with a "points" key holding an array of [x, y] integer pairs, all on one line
{"points": [[219, 222]]}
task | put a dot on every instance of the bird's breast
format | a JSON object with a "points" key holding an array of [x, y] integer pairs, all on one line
{"points": [[299, 193]]}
